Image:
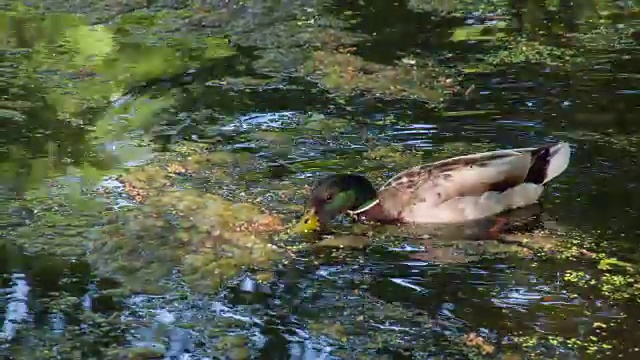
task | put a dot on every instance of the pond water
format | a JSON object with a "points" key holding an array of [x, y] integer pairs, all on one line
{"points": [[80, 104]]}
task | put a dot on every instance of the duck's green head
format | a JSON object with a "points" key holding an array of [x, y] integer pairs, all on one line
{"points": [[334, 195]]}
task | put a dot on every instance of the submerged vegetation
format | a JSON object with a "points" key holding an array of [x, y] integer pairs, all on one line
{"points": [[154, 155]]}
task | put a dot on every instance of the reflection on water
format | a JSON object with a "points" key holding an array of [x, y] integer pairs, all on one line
{"points": [[78, 102], [16, 311]]}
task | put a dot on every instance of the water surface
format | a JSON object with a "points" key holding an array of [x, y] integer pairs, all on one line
{"points": [[66, 107]]}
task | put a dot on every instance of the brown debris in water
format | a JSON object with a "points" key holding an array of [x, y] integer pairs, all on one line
{"points": [[139, 183], [473, 339], [177, 169], [208, 238], [345, 72]]}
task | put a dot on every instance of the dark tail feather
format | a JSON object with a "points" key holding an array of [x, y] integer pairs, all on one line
{"points": [[547, 162]]}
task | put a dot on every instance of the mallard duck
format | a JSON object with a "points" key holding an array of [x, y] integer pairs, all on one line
{"points": [[455, 190]]}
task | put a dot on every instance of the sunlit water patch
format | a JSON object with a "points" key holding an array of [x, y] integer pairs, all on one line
{"points": [[16, 312]]}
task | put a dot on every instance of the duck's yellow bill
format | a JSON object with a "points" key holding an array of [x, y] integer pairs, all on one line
{"points": [[308, 223]]}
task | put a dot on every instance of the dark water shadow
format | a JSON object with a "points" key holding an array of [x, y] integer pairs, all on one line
{"points": [[46, 292]]}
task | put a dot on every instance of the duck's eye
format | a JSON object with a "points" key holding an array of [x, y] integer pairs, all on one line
{"points": [[329, 197]]}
